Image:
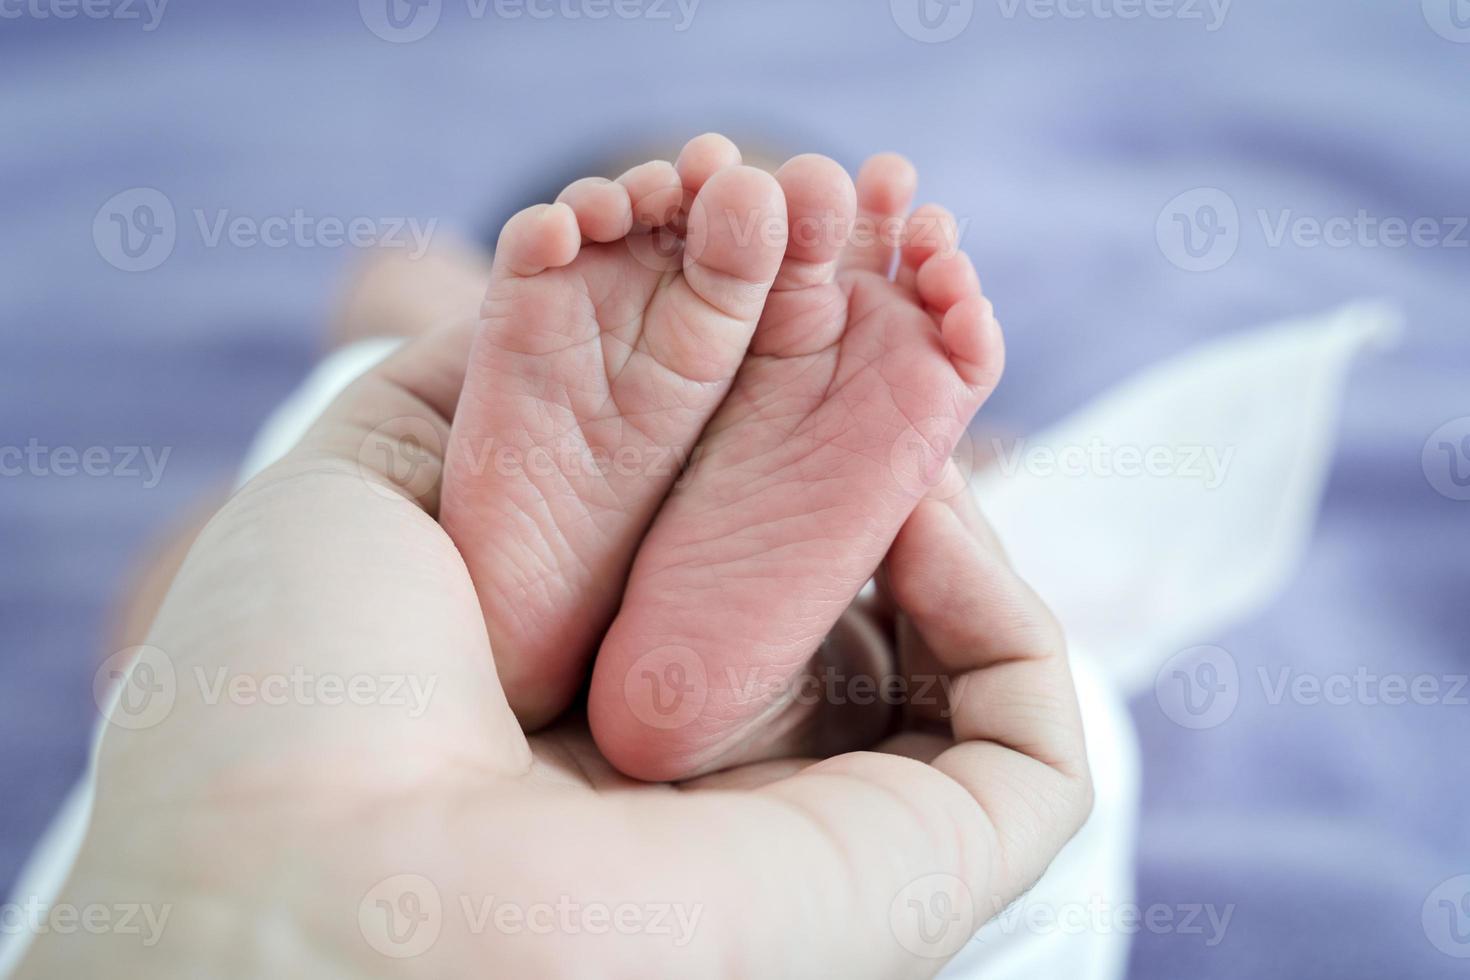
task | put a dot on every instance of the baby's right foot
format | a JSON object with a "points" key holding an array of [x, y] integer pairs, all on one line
{"points": [[600, 358], [857, 388]]}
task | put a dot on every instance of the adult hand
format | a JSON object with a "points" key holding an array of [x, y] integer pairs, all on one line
{"points": [[317, 773]]}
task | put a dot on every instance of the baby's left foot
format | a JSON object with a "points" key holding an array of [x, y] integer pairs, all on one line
{"points": [[852, 398], [598, 361]]}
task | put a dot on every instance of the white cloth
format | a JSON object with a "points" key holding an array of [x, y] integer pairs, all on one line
{"points": [[1134, 563]]}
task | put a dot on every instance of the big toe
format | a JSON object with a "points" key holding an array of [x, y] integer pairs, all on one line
{"points": [[806, 310], [700, 324], [821, 204], [736, 241]]}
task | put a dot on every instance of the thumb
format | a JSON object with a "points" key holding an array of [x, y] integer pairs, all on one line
{"points": [[392, 424]]}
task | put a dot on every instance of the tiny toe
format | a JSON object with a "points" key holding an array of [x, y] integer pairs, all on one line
{"points": [[973, 339], [655, 192], [931, 230], [603, 209], [702, 158], [542, 237], [944, 280], [885, 189], [821, 205]]}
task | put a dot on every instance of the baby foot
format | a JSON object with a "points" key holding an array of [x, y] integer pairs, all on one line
{"points": [[613, 325], [855, 392]]}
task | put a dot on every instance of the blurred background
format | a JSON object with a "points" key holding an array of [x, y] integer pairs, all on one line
{"points": [[183, 184]]}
